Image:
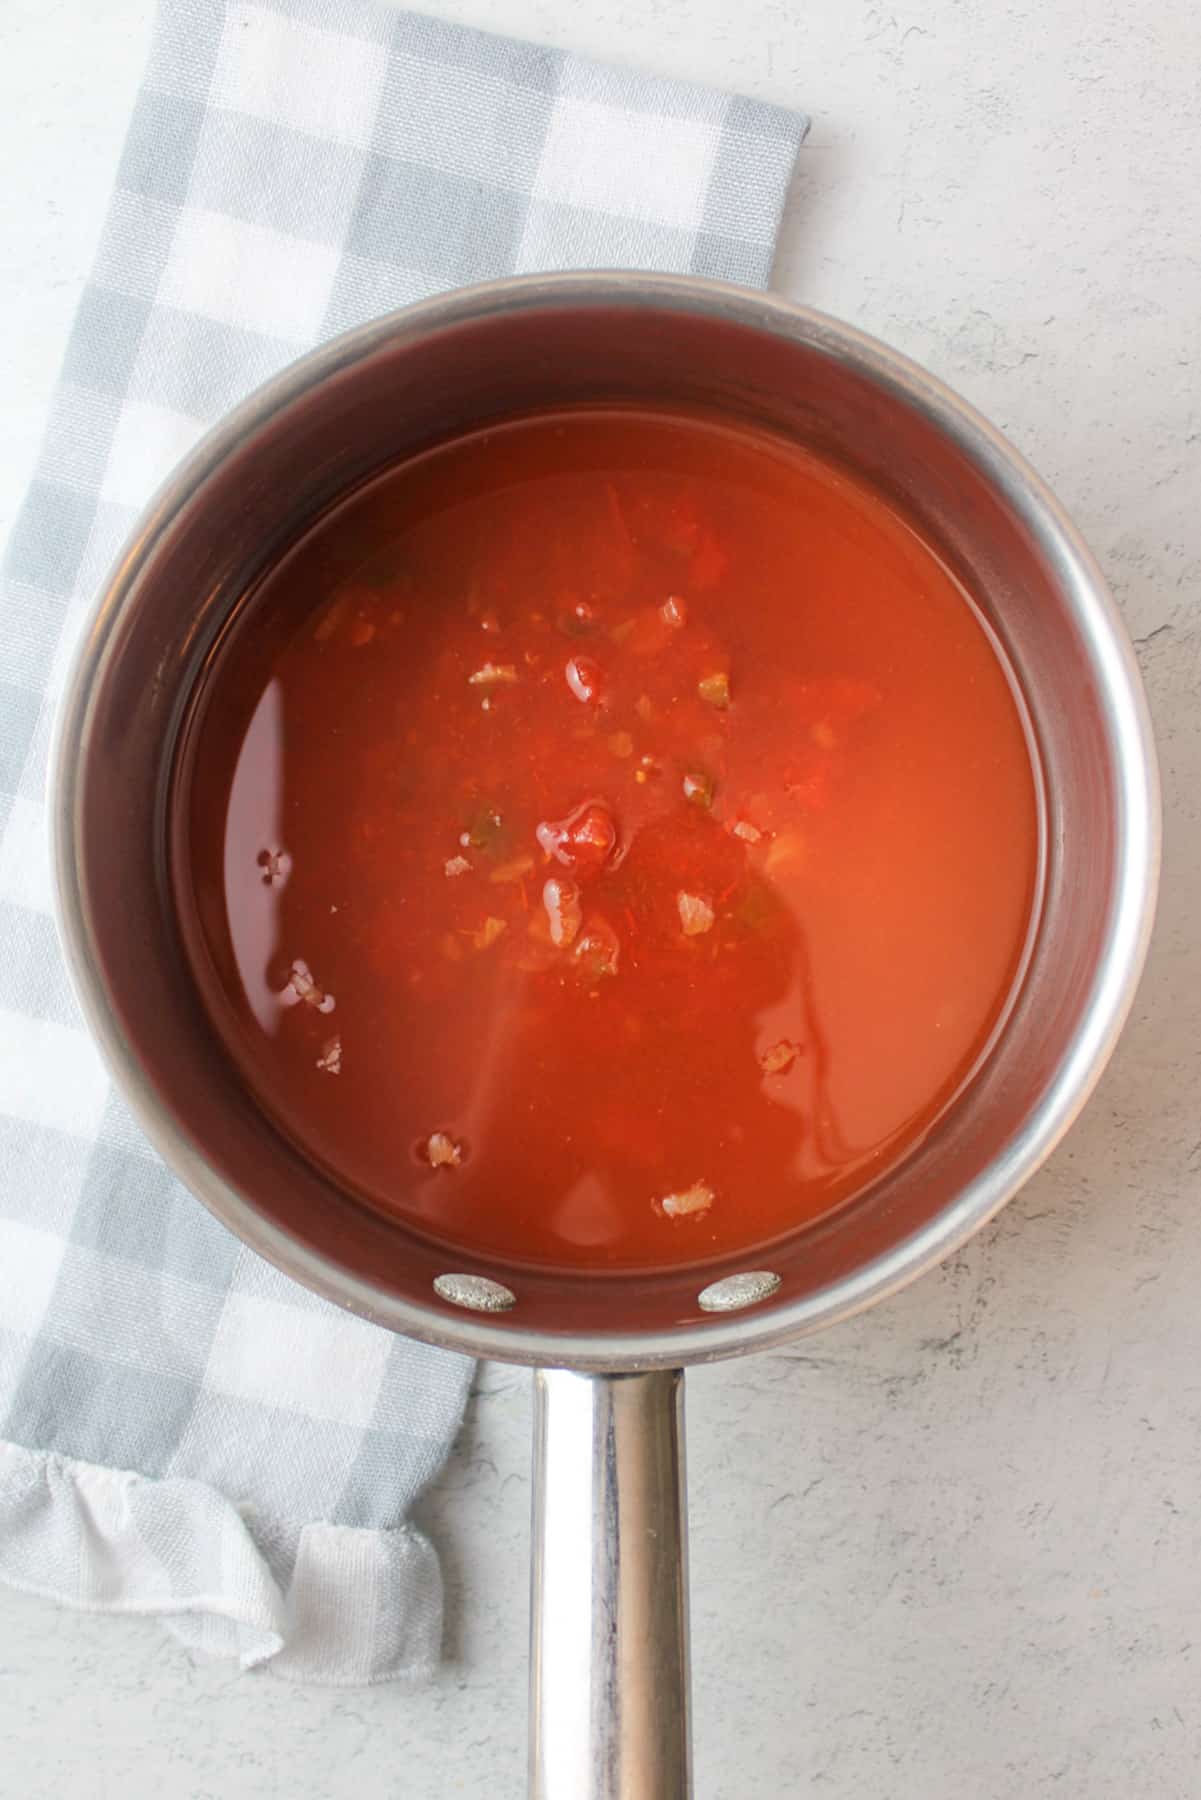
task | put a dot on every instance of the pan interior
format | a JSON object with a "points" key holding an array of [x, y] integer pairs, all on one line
{"points": [[398, 387]]}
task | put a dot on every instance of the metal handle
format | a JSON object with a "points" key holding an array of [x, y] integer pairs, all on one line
{"points": [[609, 1590]]}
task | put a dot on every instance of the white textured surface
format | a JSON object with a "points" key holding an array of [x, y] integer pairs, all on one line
{"points": [[948, 1550]]}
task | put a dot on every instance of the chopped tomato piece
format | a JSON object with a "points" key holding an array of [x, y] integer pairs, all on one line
{"points": [[598, 949], [583, 842]]}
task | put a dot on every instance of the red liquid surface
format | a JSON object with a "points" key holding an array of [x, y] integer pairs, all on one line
{"points": [[612, 840]]}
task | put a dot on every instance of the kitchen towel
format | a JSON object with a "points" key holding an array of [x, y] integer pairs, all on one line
{"points": [[186, 1432]]}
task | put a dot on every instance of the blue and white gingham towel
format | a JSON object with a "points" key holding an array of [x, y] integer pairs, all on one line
{"points": [[188, 1433]]}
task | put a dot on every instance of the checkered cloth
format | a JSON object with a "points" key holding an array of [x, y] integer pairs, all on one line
{"points": [[189, 1433]]}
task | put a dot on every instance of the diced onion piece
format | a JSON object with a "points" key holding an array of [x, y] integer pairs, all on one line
{"points": [[698, 788], [457, 865], [330, 1059], [301, 987], [695, 1199], [779, 1058], [488, 933], [742, 828], [644, 706], [561, 898], [491, 674], [714, 689], [583, 678], [674, 611], [441, 1151], [696, 914]]}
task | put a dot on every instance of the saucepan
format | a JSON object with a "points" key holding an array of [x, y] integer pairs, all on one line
{"points": [[609, 1659]]}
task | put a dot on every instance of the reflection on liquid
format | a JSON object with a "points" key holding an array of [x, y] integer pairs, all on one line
{"points": [[255, 871], [587, 1215]]}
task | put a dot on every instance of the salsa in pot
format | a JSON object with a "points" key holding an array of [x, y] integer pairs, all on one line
{"points": [[609, 839]]}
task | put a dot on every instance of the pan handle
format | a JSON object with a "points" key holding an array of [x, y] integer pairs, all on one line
{"points": [[609, 1589]]}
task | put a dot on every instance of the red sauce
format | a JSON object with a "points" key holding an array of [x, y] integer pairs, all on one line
{"points": [[612, 840]]}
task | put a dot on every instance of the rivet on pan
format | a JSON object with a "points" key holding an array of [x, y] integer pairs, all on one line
{"points": [[475, 1292], [733, 1292]]}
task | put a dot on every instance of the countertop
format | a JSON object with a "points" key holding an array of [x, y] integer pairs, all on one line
{"points": [[949, 1549]]}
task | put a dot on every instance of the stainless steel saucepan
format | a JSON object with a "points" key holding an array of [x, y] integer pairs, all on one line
{"points": [[609, 1660]]}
